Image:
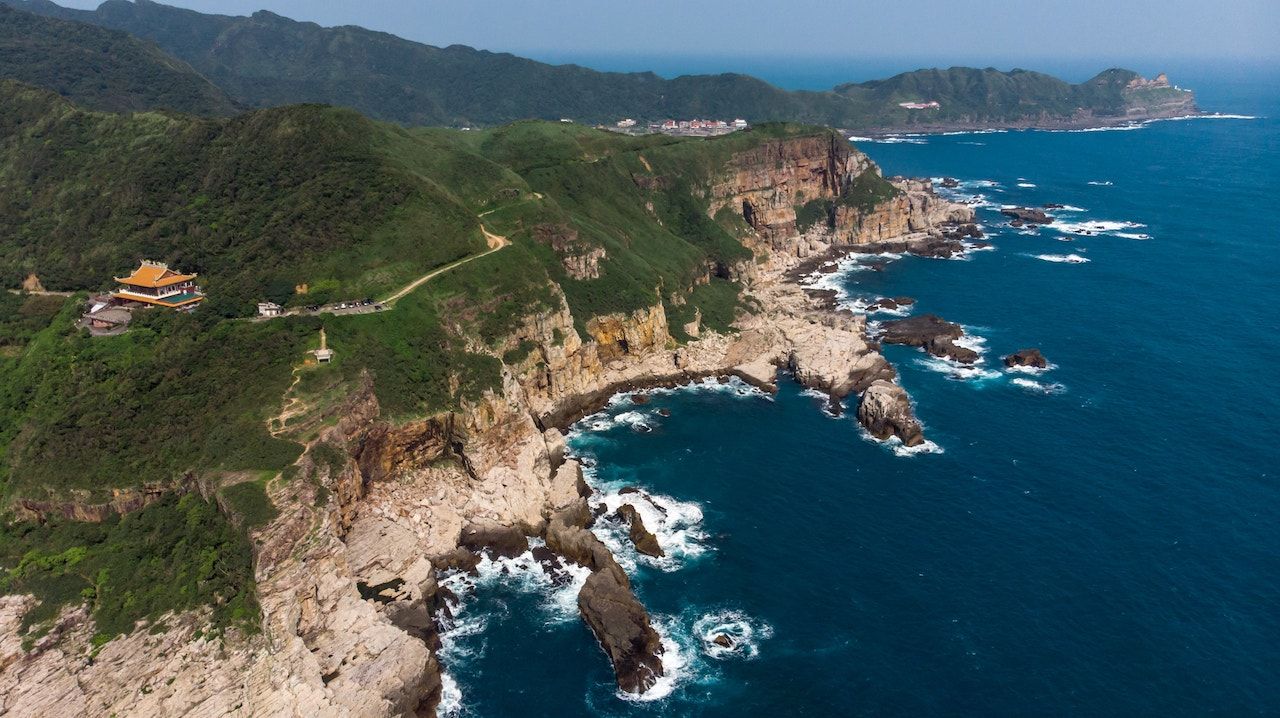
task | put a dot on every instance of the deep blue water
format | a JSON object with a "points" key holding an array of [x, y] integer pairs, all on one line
{"points": [[1110, 549]]}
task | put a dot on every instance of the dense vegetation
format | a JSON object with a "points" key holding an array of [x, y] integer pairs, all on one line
{"points": [[257, 205], [177, 554], [267, 60], [100, 68], [175, 394], [22, 316]]}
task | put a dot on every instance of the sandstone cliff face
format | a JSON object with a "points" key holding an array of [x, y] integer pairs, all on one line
{"points": [[766, 184], [915, 211]]}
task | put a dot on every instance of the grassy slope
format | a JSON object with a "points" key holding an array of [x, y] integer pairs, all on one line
{"points": [[102, 69], [268, 60]]}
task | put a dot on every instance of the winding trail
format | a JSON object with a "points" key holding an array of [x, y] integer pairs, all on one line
{"points": [[495, 242]]}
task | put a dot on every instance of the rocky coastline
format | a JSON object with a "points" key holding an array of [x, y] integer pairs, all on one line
{"points": [[1085, 121], [349, 573]]}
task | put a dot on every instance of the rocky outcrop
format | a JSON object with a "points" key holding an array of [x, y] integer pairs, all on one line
{"points": [[766, 184], [885, 411], [494, 539], [1028, 358], [916, 212], [1026, 215], [581, 260], [931, 333], [607, 604], [644, 540]]}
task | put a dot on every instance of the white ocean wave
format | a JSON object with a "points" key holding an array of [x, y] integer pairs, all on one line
{"points": [[1070, 208], [1032, 370], [1027, 185], [1112, 128], [862, 305], [1210, 116], [450, 697], [1062, 258], [892, 139], [1133, 235], [677, 525], [956, 370], [676, 667], [925, 447], [1040, 387], [1101, 183], [1096, 226], [743, 632]]}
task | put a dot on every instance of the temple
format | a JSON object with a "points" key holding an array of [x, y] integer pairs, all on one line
{"points": [[154, 283]]}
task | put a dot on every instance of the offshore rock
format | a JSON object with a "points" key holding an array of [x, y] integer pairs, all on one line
{"points": [[886, 411], [1027, 357], [644, 540], [609, 607], [931, 333], [1027, 215]]}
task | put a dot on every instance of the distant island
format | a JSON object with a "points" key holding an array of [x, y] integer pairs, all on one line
{"points": [[266, 60]]}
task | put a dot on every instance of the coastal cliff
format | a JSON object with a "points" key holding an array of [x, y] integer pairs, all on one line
{"points": [[380, 507]]}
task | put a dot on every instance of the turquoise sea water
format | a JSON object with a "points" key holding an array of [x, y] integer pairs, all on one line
{"points": [[1102, 539]]}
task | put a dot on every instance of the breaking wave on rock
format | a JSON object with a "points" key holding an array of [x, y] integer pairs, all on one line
{"points": [[677, 525], [743, 634]]}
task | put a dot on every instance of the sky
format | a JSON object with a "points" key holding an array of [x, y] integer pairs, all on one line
{"points": [[617, 35]]}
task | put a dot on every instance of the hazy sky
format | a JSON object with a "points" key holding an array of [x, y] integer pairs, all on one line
{"points": [[968, 30]]}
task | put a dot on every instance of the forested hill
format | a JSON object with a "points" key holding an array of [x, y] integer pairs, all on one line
{"points": [[101, 68], [268, 60]]}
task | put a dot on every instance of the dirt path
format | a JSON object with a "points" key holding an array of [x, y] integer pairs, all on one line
{"points": [[495, 243]]}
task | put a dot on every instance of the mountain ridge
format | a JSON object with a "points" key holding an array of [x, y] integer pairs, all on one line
{"points": [[102, 69], [267, 59]]}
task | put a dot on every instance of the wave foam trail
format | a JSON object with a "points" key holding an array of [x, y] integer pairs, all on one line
{"points": [[1036, 386], [743, 632], [890, 140], [1062, 258], [1101, 183], [1098, 226], [1026, 185]]}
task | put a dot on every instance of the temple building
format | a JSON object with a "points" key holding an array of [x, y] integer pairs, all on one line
{"points": [[154, 283]]}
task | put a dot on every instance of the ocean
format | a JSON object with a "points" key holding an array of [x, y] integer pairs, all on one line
{"points": [[1101, 539]]}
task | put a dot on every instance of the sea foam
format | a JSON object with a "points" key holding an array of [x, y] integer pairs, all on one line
{"points": [[1062, 258]]}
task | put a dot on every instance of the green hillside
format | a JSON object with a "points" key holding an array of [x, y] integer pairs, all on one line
{"points": [[101, 69], [265, 202], [267, 60]]}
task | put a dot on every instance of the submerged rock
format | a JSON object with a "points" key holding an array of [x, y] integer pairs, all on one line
{"points": [[643, 539], [886, 411], [1027, 357]]}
